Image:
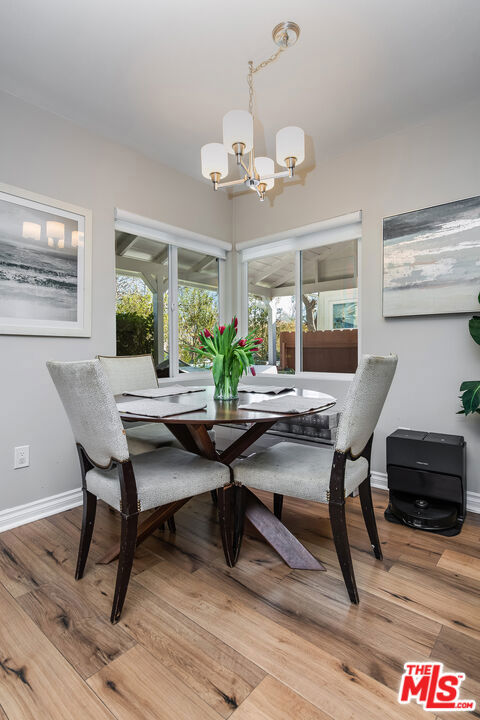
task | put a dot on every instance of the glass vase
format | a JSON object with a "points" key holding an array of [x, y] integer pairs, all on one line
{"points": [[227, 387]]}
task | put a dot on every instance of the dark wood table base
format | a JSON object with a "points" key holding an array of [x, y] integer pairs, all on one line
{"points": [[195, 438]]}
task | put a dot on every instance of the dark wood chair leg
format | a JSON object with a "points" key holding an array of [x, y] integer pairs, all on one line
{"points": [[277, 505], [171, 524], [238, 520], [342, 546], [214, 495], [225, 513], [128, 542], [231, 514], [88, 521], [365, 493]]}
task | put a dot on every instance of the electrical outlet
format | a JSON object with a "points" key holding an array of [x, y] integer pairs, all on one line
{"points": [[21, 457]]}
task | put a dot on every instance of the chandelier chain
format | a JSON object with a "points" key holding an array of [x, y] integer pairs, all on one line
{"points": [[252, 70]]}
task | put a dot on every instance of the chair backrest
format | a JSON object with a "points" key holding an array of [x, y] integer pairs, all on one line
{"points": [[88, 401], [129, 372], [365, 399], [266, 369]]}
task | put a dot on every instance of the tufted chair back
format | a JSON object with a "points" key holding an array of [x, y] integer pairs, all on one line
{"points": [[365, 399], [129, 372], [88, 401]]}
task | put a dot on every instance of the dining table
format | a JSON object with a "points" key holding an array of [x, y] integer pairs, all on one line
{"points": [[191, 431]]}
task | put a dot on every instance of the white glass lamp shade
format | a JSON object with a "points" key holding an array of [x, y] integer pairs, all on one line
{"points": [[214, 160], [265, 166], [238, 128], [31, 230], [290, 144]]}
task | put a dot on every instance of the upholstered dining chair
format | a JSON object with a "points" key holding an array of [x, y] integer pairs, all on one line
{"points": [[137, 372], [331, 475], [130, 484]]}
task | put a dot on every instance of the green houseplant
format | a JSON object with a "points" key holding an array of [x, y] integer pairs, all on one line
{"points": [[231, 357], [471, 388]]}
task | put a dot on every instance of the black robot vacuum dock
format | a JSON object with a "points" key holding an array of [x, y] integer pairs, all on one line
{"points": [[426, 481]]}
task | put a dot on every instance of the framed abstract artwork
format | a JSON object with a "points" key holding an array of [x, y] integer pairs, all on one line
{"points": [[431, 260], [344, 315], [45, 266]]}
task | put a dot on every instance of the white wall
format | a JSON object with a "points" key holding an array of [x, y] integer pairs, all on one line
{"points": [[52, 156], [424, 165]]}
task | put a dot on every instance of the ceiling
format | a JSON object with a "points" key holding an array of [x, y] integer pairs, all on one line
{"points": [[158, 76]]}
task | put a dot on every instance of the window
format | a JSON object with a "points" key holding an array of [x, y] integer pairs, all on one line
{"points": [[142, 297], [146, 322], [271, 309], [303, 297], [197, 303], [329, 308]]}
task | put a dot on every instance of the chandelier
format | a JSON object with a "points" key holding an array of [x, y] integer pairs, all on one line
{"points": [[258, 172]]}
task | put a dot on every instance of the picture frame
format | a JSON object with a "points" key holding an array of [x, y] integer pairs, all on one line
{"points": [[344, 314], [431, 260], [45, 265]]}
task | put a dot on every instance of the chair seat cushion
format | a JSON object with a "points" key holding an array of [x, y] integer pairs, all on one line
{"points": [[150, 436], [298, 471], [162, 476]]}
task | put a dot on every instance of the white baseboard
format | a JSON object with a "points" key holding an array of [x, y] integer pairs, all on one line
{"points": [[379, 480], [22, 514]]}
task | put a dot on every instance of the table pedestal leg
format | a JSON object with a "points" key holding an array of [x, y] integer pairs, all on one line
{"points": [[278, 536]]}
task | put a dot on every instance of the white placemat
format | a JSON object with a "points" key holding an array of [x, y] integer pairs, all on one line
{"points": [[291, 404], [164, 391], [263, 389], [157, 408]]}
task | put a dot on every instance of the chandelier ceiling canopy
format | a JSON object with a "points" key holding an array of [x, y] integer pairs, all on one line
{"points": [[258, 172]]}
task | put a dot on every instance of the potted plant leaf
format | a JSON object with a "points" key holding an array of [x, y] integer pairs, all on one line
{"points": [[471, 388]]}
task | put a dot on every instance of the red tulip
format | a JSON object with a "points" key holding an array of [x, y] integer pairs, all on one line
{"points": [[258, 341], [221, 329], [242, 342], [254, 349], [253, 371], [235, 323], [207, 333]]}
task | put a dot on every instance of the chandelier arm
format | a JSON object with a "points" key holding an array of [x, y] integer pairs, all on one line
{"points": [[247, 170], [232, 182], [280, 174]]}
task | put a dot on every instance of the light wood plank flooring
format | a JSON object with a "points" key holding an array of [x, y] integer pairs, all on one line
{"points": [[198, 640]]}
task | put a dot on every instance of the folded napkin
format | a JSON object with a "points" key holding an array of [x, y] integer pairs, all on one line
{"points": [[263, 389], [291, 404], [164, 391], [156, 408]]}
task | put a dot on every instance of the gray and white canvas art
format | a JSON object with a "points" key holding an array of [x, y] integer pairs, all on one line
{"points": [[44, 272], [431, 260]]}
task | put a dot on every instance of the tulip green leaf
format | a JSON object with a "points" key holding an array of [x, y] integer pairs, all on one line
{"points": [[217, 367]]}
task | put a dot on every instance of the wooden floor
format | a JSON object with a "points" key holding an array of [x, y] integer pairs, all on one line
{"points": [[198, 640]]}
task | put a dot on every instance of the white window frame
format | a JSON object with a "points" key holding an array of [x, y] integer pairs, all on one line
{"points": [[175, 238], [327, 232]]}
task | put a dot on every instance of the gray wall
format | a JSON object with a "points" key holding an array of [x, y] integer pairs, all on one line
{"points": [[46, 154], [424, 165]]}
